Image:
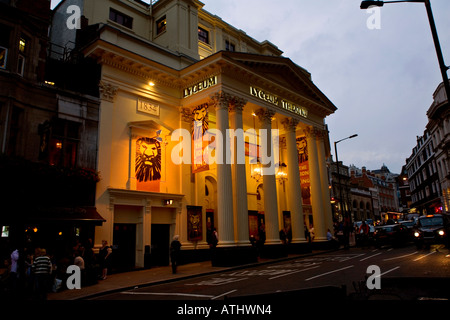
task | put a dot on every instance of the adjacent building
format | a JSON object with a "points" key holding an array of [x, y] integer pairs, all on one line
{"points": [[439, 129], [423, 177], [201, 127], [48, 136]]}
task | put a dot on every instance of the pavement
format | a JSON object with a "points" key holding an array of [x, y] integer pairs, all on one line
{"points": [[156, 275]]}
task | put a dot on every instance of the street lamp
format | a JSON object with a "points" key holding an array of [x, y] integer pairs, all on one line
{"points": [[338, 173], [443, 67]]}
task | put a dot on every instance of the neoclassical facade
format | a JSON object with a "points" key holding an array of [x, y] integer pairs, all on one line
{"points": [[196, 136]]}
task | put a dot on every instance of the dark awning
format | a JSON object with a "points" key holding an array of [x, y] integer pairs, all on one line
{"points": [[53, 214]]}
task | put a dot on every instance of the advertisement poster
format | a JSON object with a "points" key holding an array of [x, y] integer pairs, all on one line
{"points": [[148, 164], [194, 217], [200, 126], [302, 149]]}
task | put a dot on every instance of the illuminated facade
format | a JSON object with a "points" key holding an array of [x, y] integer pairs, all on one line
{"points": [[172, 68]]}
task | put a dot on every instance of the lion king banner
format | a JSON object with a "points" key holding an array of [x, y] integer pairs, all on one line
{"points": [[148, 164]]}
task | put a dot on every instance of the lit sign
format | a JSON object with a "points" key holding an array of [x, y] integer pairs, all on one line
{"points": [[273, 99], [199, 87]]}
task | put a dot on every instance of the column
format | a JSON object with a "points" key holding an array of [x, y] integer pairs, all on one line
{"points": [[239, 174], [327, 213], [224, 180], [108, 93], [269, 181], [316, 186], [295, 205]]}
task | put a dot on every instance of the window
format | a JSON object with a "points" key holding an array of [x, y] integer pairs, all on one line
{"points": [[121, 18], [21, 64], [229, 46], [161, 25], [63, 137], [203, 35], [22, 45], [3, 57], [14, 131]]}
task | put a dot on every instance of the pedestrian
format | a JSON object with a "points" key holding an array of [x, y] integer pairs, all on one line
{"points": [[42, 269], [175, 247], [215, 238], [14, 271], [364, 234], [105, 259]]}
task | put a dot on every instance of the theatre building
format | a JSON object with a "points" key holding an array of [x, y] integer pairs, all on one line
{"points": [[200, 127]]}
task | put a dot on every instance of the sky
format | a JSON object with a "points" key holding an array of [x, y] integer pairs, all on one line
{"points": [[381, 79]]}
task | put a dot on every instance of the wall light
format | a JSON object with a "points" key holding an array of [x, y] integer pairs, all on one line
{"points": [[168, 202]]}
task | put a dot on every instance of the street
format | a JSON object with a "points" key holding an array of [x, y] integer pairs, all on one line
{"points": [[406, 273]]}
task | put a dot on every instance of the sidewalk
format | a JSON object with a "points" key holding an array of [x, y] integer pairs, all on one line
{"points": [[129, 280]]}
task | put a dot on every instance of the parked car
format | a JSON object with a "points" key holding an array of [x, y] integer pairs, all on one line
{"points": [[393, 234], [432, 229]]}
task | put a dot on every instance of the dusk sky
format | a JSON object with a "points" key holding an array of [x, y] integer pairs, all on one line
{"points": [[381, 80]]}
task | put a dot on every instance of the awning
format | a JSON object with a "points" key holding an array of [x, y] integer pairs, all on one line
{"points": [[53, 214]]}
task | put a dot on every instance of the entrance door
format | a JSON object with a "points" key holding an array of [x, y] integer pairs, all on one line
{"points": [[160, 244], [124, 246]]}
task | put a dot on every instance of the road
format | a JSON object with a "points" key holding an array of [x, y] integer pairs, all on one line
{"points": [[406, 273]]}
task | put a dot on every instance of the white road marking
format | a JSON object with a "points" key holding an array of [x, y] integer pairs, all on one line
{"points": [[376, 254], [167, 294], [288, 274], [388, 271], [326, 273], [223, 294], [399, 257], [426, 255]]}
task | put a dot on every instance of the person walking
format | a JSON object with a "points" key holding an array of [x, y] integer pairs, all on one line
{"points": [[175, 248], [105, 259], [42, 269]]}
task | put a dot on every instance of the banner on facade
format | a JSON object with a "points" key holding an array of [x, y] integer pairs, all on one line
{"points": [[148, 164], [303, 163], [200, 126], [194, 223]]}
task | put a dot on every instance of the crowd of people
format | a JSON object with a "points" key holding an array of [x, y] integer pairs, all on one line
{"points": [[31, 274]]}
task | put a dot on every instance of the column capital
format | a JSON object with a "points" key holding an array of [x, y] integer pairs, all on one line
{"points": [[265, 115], [290, 124], [237, 104], [314, 132], [108, 92], [221, 100]]}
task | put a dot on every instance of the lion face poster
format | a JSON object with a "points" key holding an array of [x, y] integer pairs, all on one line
{"points": [[148, 164]]}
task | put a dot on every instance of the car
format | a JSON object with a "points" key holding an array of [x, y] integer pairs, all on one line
{"points": [[432, 229], [409, 224], [391, 234]]}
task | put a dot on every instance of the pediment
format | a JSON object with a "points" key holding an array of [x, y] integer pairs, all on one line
{"points": [[285, 74]]}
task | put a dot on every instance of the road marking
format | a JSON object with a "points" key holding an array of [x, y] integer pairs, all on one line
{"points": [[388, 271], [167, 294], [349, 258], [223, 294], [326, 273], [288, 274], [399, 257], [376, 254], [426, 255]]}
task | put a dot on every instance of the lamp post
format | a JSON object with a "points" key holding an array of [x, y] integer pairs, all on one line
{"points": [[338, 173], [443, 67]]}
